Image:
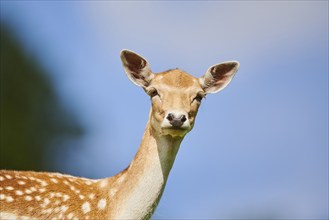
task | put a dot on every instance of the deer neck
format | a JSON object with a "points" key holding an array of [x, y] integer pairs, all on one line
{"points": [[146, 176]]}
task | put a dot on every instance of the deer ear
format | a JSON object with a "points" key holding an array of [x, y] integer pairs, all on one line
{"points": [[219, 76], [136, 68]]}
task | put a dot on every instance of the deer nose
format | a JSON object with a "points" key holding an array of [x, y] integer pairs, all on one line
{"points": [[176, 120]]}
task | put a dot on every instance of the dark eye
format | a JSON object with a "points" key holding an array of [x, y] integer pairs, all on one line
{"points": [[198, 97], [152, 92]]}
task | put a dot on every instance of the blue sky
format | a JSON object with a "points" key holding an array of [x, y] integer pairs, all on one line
{"points": [[259, 147]]}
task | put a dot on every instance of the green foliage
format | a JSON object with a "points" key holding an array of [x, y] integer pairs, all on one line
{"points": [[32, 118]]}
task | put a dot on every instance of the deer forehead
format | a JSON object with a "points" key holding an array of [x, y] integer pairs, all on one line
{"points": [[174, 80]]}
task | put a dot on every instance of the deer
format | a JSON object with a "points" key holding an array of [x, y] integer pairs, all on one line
{"points": [[135, 192]]}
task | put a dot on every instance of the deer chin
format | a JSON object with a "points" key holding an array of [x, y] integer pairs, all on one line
{"points": [[175, 132]]}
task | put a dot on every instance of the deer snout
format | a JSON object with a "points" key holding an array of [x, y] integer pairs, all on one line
{"points": [[176, 119]]}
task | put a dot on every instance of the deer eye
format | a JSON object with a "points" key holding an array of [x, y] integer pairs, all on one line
{"points": [[153, 92], [199, 97]]}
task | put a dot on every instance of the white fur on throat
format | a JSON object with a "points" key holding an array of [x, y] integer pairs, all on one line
{"points": [[141, 201]]}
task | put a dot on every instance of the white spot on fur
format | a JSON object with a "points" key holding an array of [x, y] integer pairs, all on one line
{"points": [[21, 182], [103, 183], [42, 182], [8, 176], [65, 197], [19, 193], [88, 182], [112, 192], [9, 199], [57, 202], [38, 198], [46, 201], [33, 189], [85, 207], [28, 191], [9, 188], [81, 197], [47, 211], [101, 204], [70, 216], [28, 198], [58, 194], [1, 178], [7, 215], [53, 180], [92, 196], [2, 196], [42, 190], [121, 178], [64, 208]]}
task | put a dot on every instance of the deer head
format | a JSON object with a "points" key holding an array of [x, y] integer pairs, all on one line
{"points": [[175, 95]]}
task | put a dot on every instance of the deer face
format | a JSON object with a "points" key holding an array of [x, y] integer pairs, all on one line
{"points": [[175, 95]]}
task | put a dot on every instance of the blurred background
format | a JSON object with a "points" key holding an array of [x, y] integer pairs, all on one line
{"points": [[259, 149]]}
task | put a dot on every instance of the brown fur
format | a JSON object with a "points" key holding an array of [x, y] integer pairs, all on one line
{"points": [[54, 192], [175, 78]]}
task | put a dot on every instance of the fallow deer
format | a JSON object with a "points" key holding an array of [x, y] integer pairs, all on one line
{"points": [[135, 192]]}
